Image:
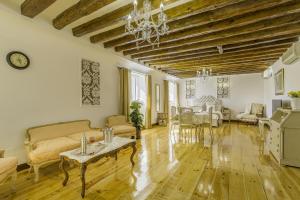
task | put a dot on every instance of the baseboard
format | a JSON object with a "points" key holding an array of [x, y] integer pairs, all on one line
{"points": [[23, 166]]}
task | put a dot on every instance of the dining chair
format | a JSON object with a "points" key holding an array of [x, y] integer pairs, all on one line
{"points": [[186, 122], [208, 124]]}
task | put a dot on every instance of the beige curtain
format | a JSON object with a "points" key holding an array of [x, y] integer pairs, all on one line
{"points": [[148, 123], [124, 92], [177, 85], [166, 96]]}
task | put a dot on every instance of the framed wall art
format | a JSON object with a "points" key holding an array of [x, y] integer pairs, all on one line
{"points": [[90, 83], [223, 87], [279, 82]]}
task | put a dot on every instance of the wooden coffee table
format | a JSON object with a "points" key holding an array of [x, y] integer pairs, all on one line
{"points": [[95, 152]]}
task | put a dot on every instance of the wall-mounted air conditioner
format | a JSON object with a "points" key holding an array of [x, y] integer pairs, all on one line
{"points": [[292, 54]]}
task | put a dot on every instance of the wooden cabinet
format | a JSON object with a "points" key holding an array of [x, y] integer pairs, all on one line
{"points": [[285, 137]]}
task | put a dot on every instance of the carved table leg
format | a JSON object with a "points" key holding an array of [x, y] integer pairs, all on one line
{"points": [[62, 167], [82, 176], [132, 154]]}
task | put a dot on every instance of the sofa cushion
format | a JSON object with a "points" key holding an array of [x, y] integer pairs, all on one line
{"points": [[7, 164], [120, 129], [98, 135], [116, 120], [48, 150]]}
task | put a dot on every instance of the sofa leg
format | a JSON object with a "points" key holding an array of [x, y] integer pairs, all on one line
{"points": [[36, 173], [14, 181]]}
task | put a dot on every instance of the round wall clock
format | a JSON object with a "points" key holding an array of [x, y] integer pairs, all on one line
{"points": [[17, 60]]}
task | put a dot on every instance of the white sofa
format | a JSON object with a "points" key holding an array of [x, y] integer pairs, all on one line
{"points": [[252, 113], [8, 169]]}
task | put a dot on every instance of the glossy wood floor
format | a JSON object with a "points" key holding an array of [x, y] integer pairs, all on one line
{"points": [[236, 167]]}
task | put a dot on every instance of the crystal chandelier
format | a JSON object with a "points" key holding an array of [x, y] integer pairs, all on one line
{"points": [[141, 25], [204, 74]]}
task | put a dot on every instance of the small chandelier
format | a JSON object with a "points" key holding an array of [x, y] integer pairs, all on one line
{"points": [[204, 74], [141, 25]]}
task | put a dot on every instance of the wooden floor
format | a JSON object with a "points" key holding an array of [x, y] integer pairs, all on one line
{"points": [[236, 167]]}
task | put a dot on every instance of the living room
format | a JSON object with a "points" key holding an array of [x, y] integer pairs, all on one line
{"points": [[190, 116]]}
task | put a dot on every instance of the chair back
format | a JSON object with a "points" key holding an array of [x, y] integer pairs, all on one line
{"points": [[186, 117], [173, 112]]}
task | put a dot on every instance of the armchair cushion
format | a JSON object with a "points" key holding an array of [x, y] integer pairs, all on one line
{"points": [[116, 120], [247, 117], [120, 129], [48, 150], [7, 164], [98, 135]]}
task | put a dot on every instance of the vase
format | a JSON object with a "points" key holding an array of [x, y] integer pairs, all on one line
{"points": [[295, 103], [138, 133]]}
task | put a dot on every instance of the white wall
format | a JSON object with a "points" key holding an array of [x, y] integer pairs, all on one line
{"points": [[244, 89], [292, 82], [49, 90]]}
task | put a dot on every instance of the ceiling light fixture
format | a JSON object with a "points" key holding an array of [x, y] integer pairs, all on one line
{"points": [[204, 74], [141, 25]]}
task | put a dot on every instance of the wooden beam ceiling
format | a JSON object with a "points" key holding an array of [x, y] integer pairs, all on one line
{"points": [[284, 44], [77, 11], [252, 34], [247, 44], [112, 18], [32, 8], [260, 18], [261, 34], [227, 37], [226, 54], [188, 9]]}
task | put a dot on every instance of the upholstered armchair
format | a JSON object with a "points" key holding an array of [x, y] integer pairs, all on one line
{"points": [[120, 126], [252, 113], [8, 169]]}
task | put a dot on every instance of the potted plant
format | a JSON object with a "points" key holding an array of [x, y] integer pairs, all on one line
{"points": [[137, 117], [295, 99]]}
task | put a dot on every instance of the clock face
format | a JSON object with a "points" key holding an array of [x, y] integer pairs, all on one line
{"points": [[17, 60]]}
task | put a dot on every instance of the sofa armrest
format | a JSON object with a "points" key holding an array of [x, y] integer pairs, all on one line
{"points": [[2, 153], [28, 146]]}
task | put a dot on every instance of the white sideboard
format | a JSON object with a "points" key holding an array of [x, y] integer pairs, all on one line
{"points": [[285, 137]]}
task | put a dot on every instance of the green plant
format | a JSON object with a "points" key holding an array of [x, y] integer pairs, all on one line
{"points": [[136, 116], [294, 94]]}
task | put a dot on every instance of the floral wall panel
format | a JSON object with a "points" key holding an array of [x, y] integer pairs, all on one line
{"points": [[223, 87], [90, 83]]}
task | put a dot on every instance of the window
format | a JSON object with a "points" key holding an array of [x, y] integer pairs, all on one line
{"points": [[139, 89], [172, 94], [157, 97], [190, 89]]}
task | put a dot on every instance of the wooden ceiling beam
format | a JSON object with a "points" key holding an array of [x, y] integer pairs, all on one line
{"points": [[242, 50], [246, 44], [267, 59], [243, 45], [222, 56], [242, 19], [77, 11], [262, 34], [187, 9], [233, 58], [31, 8], [193, 74], [265, 25], [113, 17]]}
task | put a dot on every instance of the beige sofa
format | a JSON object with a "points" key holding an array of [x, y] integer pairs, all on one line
{"points": [[8, 169], [45, 143], [120, 126]]}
